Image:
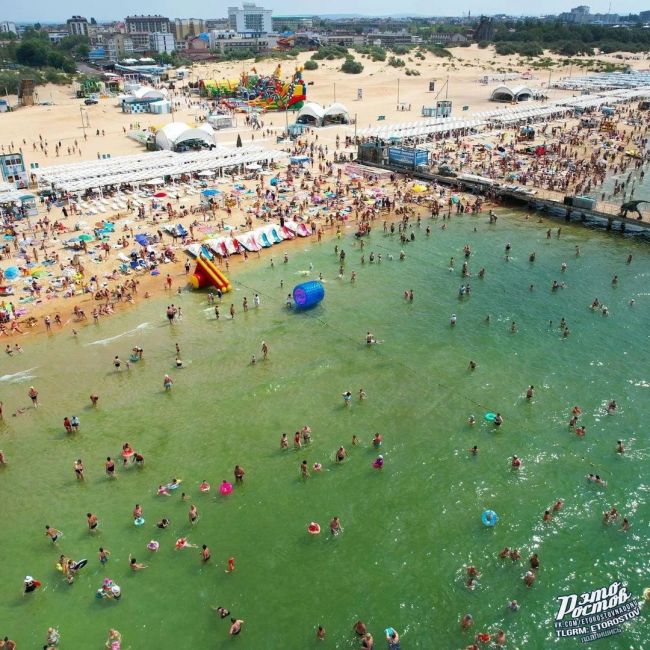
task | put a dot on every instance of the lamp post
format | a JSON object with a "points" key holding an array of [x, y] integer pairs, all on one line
{"points": [[83, 126]]}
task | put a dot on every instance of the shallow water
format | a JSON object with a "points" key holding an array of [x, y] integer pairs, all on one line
{"points": [[409, 529]]}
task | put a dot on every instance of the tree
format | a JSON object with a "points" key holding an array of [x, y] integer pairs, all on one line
{"points": [[32, 53]]}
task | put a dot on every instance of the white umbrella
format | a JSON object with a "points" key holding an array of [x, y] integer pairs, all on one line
{"points": [[156, 181], [206, 173]]}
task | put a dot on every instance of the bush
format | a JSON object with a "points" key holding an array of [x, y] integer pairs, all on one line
{"points": [[439, 51], [400, 49], [505, 49], [483, 44], [350, 66], [330, 52], [396, 63], [310, 64]]}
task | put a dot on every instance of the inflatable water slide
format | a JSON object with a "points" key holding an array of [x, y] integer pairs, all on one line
{"points": [[206, 273]]}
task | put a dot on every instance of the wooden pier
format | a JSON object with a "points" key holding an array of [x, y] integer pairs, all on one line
{"points": [[529, 198]]}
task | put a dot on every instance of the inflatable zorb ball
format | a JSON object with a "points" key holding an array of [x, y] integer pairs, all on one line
{"points": [[308, 294]]}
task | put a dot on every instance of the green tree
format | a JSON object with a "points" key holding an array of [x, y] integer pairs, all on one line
{"points": [[32, 53]]}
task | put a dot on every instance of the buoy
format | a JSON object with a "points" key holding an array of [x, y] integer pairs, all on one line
{"points": [[139, 521], [489, 518]]}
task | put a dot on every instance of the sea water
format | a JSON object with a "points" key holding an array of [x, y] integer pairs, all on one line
{"points": [[408, 530]]}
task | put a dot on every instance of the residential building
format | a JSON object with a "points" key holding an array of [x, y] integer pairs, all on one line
{"points": [[140, 41], [344, 39], [644, 17], [216, 23], [577, 15], [119, 46], [77, 26], [161, 42], [6, 26], [197, 49], [391, 38], [188, 27], [250, 18], [57, 36], [148, 24], [227, 41], [292, 23], [449, 38]]}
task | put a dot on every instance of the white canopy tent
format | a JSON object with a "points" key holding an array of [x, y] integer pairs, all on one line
{"points": [[174, 134], [311, 113], [336, 113]]}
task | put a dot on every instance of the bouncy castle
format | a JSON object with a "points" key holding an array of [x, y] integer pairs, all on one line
{"points": [[267, 92]]}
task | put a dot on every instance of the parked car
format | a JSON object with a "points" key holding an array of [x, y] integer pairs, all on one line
{"points": [[89, 101]]}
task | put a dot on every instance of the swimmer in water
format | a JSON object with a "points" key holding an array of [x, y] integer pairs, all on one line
{"points": [[222, 611], [620, 447], [370, 338], [134, 565], [474, 450], [347, 398], [340, 455]]}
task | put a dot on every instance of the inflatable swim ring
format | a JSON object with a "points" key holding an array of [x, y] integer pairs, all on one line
{"points": [[313, 528], [646, 594], [489, 518], [490, 417], [317, 467], [225, 488], [204, 487], [139, 521], [153, 545]]}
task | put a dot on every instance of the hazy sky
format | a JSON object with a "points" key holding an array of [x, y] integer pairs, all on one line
{"points": [[46, 10]]}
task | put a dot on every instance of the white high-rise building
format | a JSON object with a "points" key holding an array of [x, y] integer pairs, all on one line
{"points": [[161, 42], [6, 26], [250, 18]]}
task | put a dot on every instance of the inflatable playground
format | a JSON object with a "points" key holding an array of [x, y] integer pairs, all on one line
{"points": [[206, 272], [264, 92]]}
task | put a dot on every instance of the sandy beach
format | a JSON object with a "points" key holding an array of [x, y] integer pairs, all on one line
{"points": [[105, 133]]}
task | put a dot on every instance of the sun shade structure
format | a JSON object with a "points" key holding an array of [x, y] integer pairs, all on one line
{"points": [[142, 168]]}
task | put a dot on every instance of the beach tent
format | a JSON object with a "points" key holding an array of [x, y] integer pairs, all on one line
{"points": [[170, 136], [311, 113], [508, 94], [336, 114]]}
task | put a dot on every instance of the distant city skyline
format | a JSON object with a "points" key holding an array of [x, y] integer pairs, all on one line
{"points": [[46, 11]]}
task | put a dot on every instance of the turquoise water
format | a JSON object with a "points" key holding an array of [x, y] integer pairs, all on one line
{"points": [[410, 529]]}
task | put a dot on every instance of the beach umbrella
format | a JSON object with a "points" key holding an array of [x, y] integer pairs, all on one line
{"points": [[85, 238], [239, 142], [11, 273], [160, 195], [156, 181]]}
